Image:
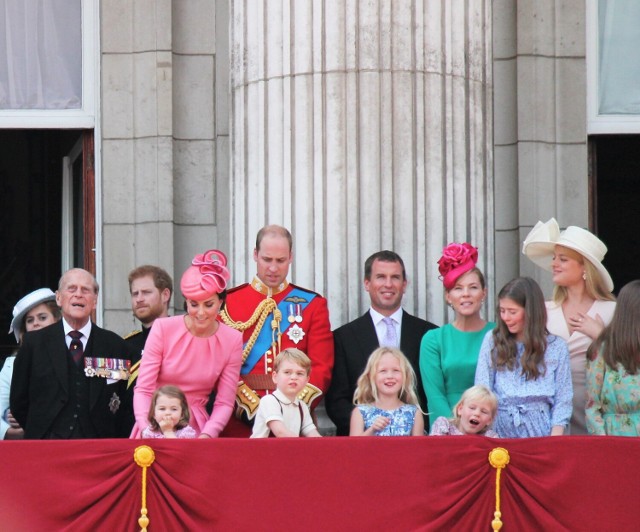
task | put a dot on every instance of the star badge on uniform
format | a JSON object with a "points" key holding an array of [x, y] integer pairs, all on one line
{"points": [[114, 403], [295, 333]]}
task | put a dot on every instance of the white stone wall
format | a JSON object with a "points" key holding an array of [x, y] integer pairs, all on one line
{"points": [[164, 144], [359, 125], [362, 126], [540, 125]]}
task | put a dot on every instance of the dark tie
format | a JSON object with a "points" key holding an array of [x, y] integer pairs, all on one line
{"points": [[75, 348]]}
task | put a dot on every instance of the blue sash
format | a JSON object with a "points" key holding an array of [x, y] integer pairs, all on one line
{"points": [[264, 340]]}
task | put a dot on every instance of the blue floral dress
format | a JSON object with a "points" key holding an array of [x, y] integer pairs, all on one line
{"points": [[401, 419], [528, 408], [613, 400]]}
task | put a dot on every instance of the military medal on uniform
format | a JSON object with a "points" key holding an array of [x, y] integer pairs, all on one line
{"points": [[295, 313], [107, 368], [295, 332]]}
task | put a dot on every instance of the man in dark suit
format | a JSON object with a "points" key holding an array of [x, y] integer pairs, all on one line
{"points": [[385, 279], [150, 288], [68, 378]]}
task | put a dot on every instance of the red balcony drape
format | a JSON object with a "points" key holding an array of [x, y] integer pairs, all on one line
{"points": [[446, 483]]}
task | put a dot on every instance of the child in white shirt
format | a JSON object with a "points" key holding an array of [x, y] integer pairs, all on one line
{"points": [[282, 414]]}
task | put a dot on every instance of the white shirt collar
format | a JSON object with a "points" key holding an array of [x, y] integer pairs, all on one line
{"points": [[284, 399], [86, 330], [377, 317]]}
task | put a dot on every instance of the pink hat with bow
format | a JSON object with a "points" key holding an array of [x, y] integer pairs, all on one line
{"points": [[207, 275]]}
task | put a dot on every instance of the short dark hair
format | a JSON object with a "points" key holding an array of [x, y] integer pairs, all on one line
{"points": [[161, 279], [383, 256], [274, 230]]}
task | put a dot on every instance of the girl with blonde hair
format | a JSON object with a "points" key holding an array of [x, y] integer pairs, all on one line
{"points": [[385, 397]]}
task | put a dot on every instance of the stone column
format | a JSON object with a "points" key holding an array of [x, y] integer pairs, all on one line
{"points": [[505, 135], [362, 125], [136, 148]]}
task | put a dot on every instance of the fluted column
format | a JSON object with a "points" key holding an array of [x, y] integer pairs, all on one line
{"points": [[362, 125]]}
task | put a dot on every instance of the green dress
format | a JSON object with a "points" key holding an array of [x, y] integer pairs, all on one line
{"points": [[613, 400], [448, 359]]}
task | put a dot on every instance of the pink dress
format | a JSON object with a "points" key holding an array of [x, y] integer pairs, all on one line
{"points": [[184, 433], [172, 355]]}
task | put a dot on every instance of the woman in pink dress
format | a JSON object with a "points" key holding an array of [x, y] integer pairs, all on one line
{"points": [[195, 352], [582, 300]]}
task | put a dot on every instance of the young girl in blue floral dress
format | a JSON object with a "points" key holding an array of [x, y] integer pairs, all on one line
{"points": [[385, 397], [525, 366]]}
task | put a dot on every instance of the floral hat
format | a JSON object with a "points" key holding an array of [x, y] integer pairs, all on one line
{"points": [[456, 259], [540, 243], [207, 275]]}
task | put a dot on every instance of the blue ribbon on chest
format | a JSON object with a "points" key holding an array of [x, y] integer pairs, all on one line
{"points": [[265, 338]]}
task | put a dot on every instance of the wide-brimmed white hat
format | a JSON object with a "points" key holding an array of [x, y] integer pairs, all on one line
{"points": [[32, 300], [545, 236]]}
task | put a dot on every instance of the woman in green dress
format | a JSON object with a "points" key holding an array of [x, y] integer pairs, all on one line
{"points": [[449, 355], [613, 370]]}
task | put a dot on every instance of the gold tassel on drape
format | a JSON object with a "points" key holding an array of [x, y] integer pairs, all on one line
{"points": [[498, 458], [144, 457]]}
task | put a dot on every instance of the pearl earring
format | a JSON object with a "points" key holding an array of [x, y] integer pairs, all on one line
{"points": [[584, 275]]}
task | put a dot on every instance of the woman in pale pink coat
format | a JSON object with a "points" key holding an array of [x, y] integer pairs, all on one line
{"points": [[195, 352]]}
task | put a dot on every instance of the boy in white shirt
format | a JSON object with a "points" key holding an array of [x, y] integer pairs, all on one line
{"points": [[281, 413]]}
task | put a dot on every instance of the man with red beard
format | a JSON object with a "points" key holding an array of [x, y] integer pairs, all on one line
{"points": [[150, 288], [274, 314]]}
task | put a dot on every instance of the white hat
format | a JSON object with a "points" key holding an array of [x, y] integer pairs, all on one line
{"points": [[28, 302], [541, 241]]}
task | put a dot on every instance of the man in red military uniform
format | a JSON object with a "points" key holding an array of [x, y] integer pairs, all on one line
{"points": [[274, 314]]}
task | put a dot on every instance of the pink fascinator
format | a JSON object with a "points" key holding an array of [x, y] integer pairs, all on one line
{"points": [[456, 259], [207, 275]]}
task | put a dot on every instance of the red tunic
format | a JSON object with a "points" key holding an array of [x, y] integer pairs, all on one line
{"points": [[317, 341]]}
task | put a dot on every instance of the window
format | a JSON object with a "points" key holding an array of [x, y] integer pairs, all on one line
{"points": [[613, 69], [47, 63]]}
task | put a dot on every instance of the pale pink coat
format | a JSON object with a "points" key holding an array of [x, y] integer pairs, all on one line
{"points": [[172, 355]]}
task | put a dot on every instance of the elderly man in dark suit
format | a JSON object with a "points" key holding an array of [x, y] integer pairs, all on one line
{"points": [[68, 378], [385, 323]]}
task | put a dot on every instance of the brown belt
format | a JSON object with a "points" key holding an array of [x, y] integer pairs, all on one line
{"points": [[256, 381]]}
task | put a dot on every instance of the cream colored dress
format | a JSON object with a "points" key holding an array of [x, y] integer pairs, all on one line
{"points": [[578, 344]]}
